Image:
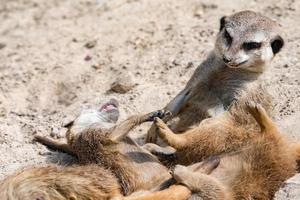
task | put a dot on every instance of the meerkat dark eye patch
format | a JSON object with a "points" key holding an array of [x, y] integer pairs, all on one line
{"points": [[251, 45], [277, 44], [228, 38]]}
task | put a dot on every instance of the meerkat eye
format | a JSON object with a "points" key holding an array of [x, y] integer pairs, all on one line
{"points": [[227, 37], [251, 45]]}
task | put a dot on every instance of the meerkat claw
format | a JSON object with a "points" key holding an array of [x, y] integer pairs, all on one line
{"points": [[159, 114]]}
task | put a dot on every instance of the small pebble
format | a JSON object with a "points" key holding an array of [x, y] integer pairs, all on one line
{"points": [[91, 44], [87, 58], [2, 45], [123, 84]]}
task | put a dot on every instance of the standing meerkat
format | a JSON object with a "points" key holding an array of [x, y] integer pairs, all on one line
{"points": [[245, 45]]}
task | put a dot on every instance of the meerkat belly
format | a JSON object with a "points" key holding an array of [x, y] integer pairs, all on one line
{"points": [[225, 90], [210, 104], [149, 170], [228, 169]]}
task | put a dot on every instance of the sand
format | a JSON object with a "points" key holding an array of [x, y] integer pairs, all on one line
{"points": [[58, 57]]}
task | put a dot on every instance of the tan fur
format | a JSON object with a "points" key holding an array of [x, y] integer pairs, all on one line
{"points": [[218, 85], [213, 136], [61, 183], [112, 166], [114, 150], [255, 170], [90, 182]]}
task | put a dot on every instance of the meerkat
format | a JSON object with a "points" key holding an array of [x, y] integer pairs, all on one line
{"points": [[84, 182], [230, 75], [111, 166], [212, 136], [93, 137], [255, 171]]}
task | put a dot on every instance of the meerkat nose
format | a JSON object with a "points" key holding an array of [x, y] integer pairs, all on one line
{"points": [[226, 60], [114, 102]]}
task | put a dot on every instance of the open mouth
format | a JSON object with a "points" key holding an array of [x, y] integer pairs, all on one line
{"points": [[235, 65], [109, 106]]}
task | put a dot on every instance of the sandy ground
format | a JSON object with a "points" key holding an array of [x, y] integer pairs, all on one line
{"points": [[47, 74]]}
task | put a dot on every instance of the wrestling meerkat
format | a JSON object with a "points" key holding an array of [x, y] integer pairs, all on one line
{"points": [[245, 45], [255, 171], [123, 167], [83, 182], [111, 166]]}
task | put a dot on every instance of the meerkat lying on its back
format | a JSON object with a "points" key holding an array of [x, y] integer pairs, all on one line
{"points": [[255, 171], [245, 45], [112, 165]]}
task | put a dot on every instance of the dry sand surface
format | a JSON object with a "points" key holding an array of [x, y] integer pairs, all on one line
{"points": [[48, 72]]}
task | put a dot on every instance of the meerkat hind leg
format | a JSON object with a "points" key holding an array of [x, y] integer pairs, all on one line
{"points": [[261, 117], [172, 139], [206, 186]]}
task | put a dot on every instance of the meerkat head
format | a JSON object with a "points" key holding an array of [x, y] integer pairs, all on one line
{"points": [[104, 117], [248, 40]]}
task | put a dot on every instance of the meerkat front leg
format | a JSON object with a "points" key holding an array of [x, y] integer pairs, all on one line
{"points": [[165, 154], [55, 145], [176, 141], [120, 131], [174, 107]]}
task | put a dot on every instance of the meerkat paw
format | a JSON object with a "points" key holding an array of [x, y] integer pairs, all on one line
{"points": [[259, 114], [163, 129], [181, 174], [160, 124], [158, 114], [255, 109], [153, 132]]}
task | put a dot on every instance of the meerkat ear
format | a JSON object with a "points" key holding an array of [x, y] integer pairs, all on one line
{"points": [[222, 22], [276, 44]]}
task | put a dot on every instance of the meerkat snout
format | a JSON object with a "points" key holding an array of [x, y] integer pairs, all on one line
{"points": [[248, 40], [104, 117]]}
